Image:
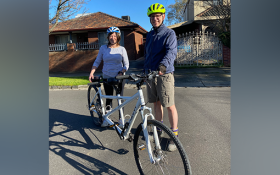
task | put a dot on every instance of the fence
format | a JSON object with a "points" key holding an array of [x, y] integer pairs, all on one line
{"points": [[199, 49], [86, 46], [57, 47], [78, 46]]}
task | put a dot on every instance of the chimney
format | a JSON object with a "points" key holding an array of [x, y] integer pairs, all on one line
{"points": [[126, 18]]}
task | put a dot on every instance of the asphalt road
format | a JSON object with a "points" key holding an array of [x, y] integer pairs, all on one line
{"points": [[78, 147]]}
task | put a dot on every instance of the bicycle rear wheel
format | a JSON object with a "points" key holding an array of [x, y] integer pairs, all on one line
{"points": [[95, 104], [175, 162]]}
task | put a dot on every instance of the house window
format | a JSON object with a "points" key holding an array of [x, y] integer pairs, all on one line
{"points": [[102, 38], [212, 2], [217, 2], [59, 39], [74, 38]]}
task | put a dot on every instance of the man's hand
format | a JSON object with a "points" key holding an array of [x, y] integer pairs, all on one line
{"points": [[161, 69], [160, 73]]}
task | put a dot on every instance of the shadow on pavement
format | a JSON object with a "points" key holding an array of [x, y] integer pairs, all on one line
{"points": [[75, 122]]}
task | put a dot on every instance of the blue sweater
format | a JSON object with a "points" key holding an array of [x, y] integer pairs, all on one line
{"points": [[160, 48], [114, 60]]}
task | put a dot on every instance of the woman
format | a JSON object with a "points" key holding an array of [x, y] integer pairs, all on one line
{"points": [[115, 61]]}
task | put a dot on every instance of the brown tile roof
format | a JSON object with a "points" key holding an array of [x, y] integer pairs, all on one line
{"points": [[98, 20], [179, 24], [219, 10]]}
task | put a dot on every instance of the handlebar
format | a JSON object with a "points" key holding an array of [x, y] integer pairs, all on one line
{"points": [[132, 77], [100, 79], [136, 77]]}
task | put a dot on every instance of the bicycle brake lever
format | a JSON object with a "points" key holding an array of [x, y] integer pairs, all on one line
{"points": [[153, 74], [134, 77]]}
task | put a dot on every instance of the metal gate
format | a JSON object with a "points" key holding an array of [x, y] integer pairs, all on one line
{"points": [[199, 49]]}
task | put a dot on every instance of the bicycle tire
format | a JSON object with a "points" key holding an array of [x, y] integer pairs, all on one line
{"points": [[97, 117], [179, 164]]}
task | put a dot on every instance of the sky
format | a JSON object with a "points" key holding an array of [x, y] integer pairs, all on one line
{"points": [[136, 9]]}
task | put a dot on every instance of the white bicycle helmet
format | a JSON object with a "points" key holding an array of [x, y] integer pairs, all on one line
{"points": [[113, 29]]}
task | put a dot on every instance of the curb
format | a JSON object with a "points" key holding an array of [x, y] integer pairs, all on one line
{"points": [[83, 87], [127, 86]]}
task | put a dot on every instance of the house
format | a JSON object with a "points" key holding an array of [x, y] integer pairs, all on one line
{"points": [[74, 44], [202, 46], [201, 15]]}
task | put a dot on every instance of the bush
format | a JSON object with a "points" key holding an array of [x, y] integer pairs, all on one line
{"points": [[225, 38]]}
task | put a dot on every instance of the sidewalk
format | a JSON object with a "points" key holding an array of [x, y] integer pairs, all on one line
{"points": [[192, 77], [195, 77]]}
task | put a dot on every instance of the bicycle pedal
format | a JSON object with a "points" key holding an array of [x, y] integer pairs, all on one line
{"points": [[111, 126], [91, 107], [141, 147], [130, 139]]}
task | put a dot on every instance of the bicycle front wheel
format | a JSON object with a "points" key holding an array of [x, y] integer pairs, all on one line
{"points": [[168, 162], [94, 104]]}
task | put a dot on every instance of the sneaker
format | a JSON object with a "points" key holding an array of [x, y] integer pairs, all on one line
{"points": [[160, 134], [121, 125], [104, 124], [171, 146], [107, 111]]}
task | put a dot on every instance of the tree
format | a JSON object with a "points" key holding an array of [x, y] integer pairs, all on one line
{"points": [[175, 12], [218, 15], [64, 10]]}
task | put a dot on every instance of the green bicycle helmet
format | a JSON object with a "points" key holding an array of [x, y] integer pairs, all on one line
{"points": [[155, 8]]}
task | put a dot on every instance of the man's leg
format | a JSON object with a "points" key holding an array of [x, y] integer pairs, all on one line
{"points": [[173, 116], [173, 119], [158, 111], [166, 86]]}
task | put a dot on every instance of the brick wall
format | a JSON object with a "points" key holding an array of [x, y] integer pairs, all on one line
{"points": [[51, 39], [92, 37], [226, 56], [129, 44], [139, 45], [72, 61], [82, 60], [82, 37]]}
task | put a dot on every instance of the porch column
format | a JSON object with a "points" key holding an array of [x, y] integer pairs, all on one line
{"points": [[70, 34], [203, 27]]}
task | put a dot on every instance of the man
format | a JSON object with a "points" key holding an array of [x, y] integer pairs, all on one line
{"points": [[160, 53]]}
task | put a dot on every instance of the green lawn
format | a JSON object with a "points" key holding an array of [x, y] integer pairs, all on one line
{"points": [[68, 81]]}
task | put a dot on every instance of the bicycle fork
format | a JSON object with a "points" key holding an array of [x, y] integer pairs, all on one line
{"points": [[146, 134]]}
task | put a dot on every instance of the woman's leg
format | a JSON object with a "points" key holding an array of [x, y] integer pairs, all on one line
{"points": [[121, 87], [109, 90]]}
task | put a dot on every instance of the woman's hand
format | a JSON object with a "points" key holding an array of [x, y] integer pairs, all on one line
{"points": [[121, 72], [91, 76]]}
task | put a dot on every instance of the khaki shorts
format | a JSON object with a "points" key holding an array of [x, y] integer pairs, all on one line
{"points": [[161, 89]]}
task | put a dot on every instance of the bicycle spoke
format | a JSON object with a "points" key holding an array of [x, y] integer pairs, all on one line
{"points": [[167, 162]]}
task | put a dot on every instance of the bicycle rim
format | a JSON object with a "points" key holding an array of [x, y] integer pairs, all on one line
{"points": [[96, 104], [175, 162]]}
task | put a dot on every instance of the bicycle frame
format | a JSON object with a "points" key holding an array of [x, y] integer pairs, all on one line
{"points": [[140, 106]]}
